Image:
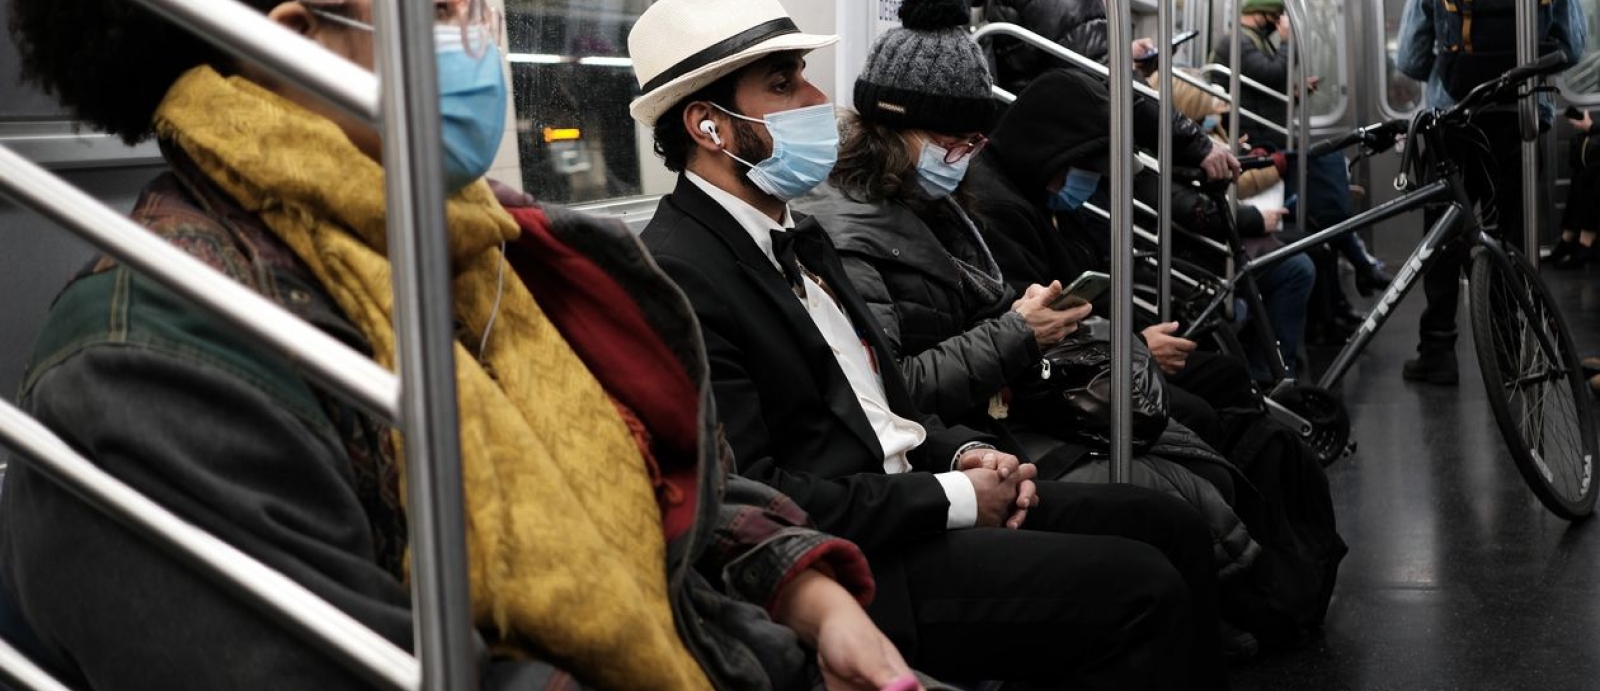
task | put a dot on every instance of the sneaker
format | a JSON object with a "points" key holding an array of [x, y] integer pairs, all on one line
{"points": [[1238, 645], [1436, 367]]}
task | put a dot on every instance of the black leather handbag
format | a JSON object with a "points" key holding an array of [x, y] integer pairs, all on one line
{"points": [[1071, 398]]}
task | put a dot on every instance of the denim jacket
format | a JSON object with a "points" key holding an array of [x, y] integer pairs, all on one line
{"points": [[1427, 29], [233, 438]]}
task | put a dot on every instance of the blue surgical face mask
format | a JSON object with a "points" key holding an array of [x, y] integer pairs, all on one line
{"points": [[472, 98], [937, 178], [805, 145], [1078, 187], [1210, 122], [472, 89]]}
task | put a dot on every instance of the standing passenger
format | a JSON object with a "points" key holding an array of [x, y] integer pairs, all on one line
{"points": [[1431, 49]]}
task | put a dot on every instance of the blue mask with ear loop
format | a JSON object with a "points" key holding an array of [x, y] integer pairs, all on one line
{"points": [[472, 98], [1078, 187], [805, 145], [1210, 122], [472, 92]]}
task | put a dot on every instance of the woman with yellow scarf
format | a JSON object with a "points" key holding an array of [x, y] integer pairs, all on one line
{"points": [[603, 538]]}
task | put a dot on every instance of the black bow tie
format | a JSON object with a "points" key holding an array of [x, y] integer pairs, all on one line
{"points": [[783, 251]]}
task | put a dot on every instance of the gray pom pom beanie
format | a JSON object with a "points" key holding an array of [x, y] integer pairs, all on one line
{"points": [[929, 74]]}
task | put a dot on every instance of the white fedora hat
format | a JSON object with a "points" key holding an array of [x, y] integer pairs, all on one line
{"points": [[680, 46]]}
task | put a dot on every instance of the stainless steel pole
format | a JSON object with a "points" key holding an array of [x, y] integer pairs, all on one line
{"points": [[1122, 316], [325, 358], [1299, 106], [1234, 130], [419, 251], [19, 672], [237, 29], [1527, 109], [280, 597], [1165, 62]]}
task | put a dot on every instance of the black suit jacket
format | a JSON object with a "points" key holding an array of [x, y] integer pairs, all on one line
{"points": [[791, 416]]}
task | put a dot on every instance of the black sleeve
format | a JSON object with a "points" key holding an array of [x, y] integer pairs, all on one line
{"points": [[1189, 145], [869, 509], [230, 459], [1270, 70], [960, 373]]}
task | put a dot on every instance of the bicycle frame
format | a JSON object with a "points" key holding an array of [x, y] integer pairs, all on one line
{"points": [[1446, 229]]}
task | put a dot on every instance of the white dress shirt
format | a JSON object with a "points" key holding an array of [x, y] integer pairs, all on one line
{"points": [[897, 435]]}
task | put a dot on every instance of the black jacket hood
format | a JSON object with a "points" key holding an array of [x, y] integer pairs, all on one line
{"points": [[1057, 122]]}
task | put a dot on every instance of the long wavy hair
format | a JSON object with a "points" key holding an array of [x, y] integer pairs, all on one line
{"points": [[877, 164]]}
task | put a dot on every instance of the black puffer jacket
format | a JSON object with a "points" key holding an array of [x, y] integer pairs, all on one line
{"points": [[901, 267], [1265, 63], [1080, 25]]}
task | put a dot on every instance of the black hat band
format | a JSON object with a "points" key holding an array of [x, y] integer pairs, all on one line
{"points": [[732, 45]]}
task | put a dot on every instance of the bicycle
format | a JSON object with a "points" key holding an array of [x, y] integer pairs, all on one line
{"points": [[1538, 394]]}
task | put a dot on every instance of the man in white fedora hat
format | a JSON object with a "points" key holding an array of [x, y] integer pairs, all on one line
{"points": [[981, 573]]}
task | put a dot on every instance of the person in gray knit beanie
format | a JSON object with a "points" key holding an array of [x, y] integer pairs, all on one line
{"points": [[929, 74]]}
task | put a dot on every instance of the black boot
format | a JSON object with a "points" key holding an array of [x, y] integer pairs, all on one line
{"points": [[1567, 254], [1435, 362]]}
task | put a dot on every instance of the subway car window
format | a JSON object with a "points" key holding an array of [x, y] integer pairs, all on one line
{"points": [[1325, 53], [1401, 94], [572, 83], [1582, 82]]}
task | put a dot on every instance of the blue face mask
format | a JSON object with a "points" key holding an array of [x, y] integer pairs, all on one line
{"points": [[472, 93], [805, 145], [937, 178], [1210, 122], [472, 90], [1079, 186]]}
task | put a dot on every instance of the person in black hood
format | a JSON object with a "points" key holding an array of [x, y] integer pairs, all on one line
{"points": [[1035, 237], [1080, 26]]}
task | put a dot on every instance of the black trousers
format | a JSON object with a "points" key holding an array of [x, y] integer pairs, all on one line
{"points": [[1105, 587], [1494, 183]]}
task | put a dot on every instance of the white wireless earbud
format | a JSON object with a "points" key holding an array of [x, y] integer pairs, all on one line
{"points": [[710, 128]]}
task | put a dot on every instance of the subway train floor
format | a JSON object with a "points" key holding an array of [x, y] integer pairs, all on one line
{"points": [[1457, 578]]}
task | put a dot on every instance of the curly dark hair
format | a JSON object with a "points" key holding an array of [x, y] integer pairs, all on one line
{"points": [[673, 143], [110, 62], [876, 165]]}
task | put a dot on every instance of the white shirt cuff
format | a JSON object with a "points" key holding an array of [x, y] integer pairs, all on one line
{"points": [[963, 500]]}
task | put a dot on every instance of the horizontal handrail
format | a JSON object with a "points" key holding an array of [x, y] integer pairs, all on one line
{"points": [[235, 28], [19, 672], [326, 358], [1065, 53], [277, 595], [1224, 71]]}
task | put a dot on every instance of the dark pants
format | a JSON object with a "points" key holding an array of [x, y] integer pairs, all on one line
{"points": [[1583, 200], [1494, 183], [1106, 587]]}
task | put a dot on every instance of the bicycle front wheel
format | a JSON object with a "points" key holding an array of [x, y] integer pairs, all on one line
{"points": [[1535, 384]]}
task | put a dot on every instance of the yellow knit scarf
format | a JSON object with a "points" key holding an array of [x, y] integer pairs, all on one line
{"points": [[563, 529]]}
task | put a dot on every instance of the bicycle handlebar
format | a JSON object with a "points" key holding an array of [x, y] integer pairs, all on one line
{"points": [[1378, 136]]}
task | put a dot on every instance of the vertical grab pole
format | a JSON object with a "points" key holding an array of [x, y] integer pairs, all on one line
{"points": [[1301, 107], [1234, 128], [1527, 110], [1121, 80], [425, 341], [1164, 61]]}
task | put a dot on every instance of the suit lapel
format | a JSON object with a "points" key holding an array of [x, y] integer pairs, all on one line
{"points": [[816, 251], [769, 282]]}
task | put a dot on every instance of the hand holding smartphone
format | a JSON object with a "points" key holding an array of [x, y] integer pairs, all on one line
{"points": [[1086, 288]]}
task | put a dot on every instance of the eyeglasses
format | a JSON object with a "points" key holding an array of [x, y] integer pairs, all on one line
{"points": [[479, 23], [955, 151]]}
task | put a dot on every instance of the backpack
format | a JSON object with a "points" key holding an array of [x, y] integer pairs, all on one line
{"points": [[1482, 42]]}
